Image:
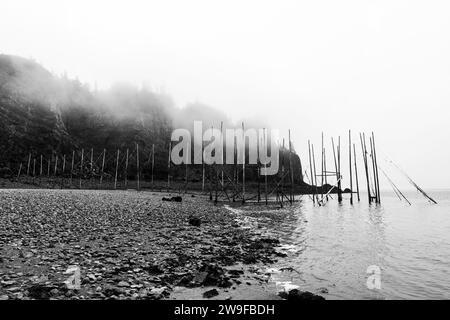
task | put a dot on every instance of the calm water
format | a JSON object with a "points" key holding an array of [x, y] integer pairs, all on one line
{"points": [[332, 246]]}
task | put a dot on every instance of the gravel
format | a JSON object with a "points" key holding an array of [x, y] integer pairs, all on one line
{"points": [[127, 244]]}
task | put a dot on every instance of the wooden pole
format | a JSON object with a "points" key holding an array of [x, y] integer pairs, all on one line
{"points": [[126, 168], [138, 168], [92, 161], [258, 168], [243, 163], [373, 170], [364, 152], [216, 178], [321, 168], [221, 167], [210, 183], [81, 166], [311, 171], [325, 172], [34, 169], [282, 176], [20, 170], [153, 163], [29, 162], [315, 173], [339, 170], [186, 160], [56, 165], [103, 167], [40, 171], [356, 172], [168, 166], [265, 165], [235, 169], [71, 169], [376, 168], [291, 169], [350, 164], [203, 170], [48, 167], [117, 168], [63, 169]]}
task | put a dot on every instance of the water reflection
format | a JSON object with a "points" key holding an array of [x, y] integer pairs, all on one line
{"points": [[331, 246]]}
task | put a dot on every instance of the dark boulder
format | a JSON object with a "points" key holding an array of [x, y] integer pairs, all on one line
{"points": [[173, 199], [210, 293], [194, 221], [297, 295]]}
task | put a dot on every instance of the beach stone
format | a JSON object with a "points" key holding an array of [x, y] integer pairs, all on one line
{"points": [[41, 292], [123, 284], [210, 293], [174, 199], [194, 221], [297, 295]]}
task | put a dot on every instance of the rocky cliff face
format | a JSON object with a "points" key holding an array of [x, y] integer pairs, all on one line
{"points": [[27, 121], [44, 114]]}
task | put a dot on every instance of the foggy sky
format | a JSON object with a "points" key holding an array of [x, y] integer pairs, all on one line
{"points": [[310, 66]]}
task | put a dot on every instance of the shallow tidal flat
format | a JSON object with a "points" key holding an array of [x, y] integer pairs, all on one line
{"points": [[127, 245]]}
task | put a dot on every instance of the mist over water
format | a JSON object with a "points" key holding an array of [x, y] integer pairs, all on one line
{"points": [[332, 246]]}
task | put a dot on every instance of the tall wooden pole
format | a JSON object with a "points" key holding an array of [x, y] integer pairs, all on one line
{"points": [[372, 157], [20, 170], [221, 167], [325, 171], [258, 168], [138, 168], [103, 167], [315, 173], [126, 168], [63, 170], [92, 161], [356, 172], [282, 176], [81, 166], [34, 169], [364, 153], [265, 165], [291, 169], [29, 162], [243, 163], [71, 169], [117, 168], [168, 166], [339, 170], [311, 171], [376, 168], [203, 170], [368, 169], [56, 165], [40, 171], [153, 163], [350, 164], [235, 169], [48, 166], [321, 168]]}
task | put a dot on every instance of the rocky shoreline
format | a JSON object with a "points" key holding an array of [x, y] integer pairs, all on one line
{"points": [[127, 245]]}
